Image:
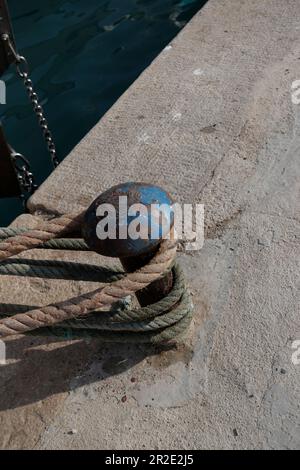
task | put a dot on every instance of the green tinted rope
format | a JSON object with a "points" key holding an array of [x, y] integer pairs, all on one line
{"points": [[160, 322]]}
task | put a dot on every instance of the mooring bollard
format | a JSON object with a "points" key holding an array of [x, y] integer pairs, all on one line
{"points": [[122, 209], [131, 221]]}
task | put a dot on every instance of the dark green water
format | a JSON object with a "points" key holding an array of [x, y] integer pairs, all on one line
{"points": [[83, 55]]}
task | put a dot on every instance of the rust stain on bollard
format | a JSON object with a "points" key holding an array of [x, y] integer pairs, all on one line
{"points": [[157, 221]]}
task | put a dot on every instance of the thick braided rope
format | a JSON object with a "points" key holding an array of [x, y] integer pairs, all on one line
{"points": [[49, 269], [79, 306], [42, 234], [122, 318], [55, 244], [80, 316], [156, 323]]}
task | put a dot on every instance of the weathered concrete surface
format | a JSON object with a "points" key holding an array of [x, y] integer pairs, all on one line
{"points": [[212, 121], [38, 371]]}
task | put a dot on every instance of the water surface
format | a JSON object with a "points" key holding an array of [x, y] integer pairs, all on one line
{"points": [[83, 55]]}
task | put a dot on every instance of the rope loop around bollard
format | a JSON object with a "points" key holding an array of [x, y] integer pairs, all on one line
{"points": [[101, 313]]}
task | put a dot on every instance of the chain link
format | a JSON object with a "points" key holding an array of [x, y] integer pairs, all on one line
{"points": [[25, 176], [41, 118], [23, 72]]}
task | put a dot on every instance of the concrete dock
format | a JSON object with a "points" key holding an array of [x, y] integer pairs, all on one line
{"points": [[213, 121]]}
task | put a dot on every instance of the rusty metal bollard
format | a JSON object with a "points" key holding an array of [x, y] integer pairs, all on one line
{"points": [[156, 221]]}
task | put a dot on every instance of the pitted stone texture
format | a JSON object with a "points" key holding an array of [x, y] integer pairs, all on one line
{"points": [[212, 121], [36, 378]]}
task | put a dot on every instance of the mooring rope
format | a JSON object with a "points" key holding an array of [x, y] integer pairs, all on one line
{"points": [[83, 315], [55, 244], [45, 231]]}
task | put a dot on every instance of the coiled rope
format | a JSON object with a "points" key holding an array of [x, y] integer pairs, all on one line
{"points": [[102, 312]]}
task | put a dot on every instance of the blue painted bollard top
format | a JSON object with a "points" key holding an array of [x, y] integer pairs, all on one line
{"points": [[128, 220]]}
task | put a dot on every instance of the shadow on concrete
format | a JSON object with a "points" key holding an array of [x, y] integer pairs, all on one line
{"points": [[44, 366]]}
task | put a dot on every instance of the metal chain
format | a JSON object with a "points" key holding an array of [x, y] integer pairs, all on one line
{"points": [[25, 176], [23, 72]]}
